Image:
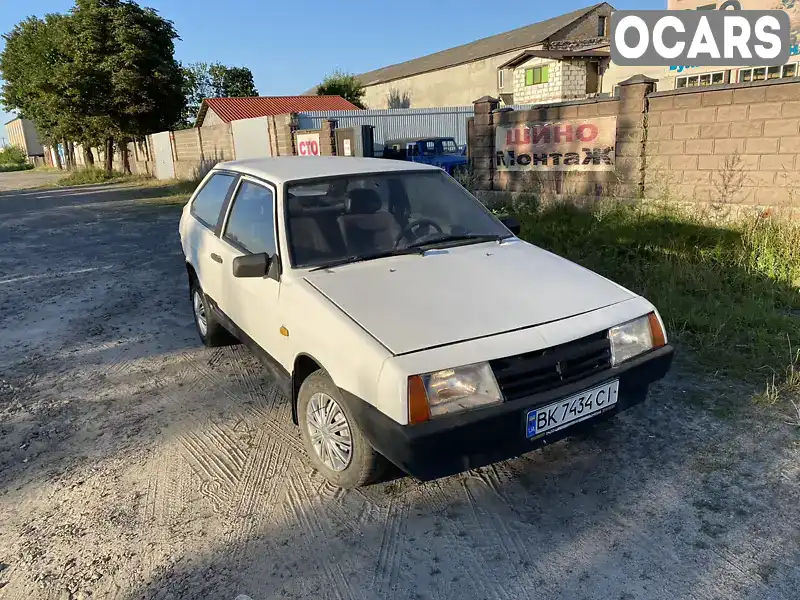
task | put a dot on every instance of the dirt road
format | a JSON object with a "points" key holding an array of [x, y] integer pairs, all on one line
{"points": [[134, 463], [19, 180]]}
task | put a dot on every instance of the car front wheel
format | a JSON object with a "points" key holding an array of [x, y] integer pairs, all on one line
{"points": [[332, 438]]}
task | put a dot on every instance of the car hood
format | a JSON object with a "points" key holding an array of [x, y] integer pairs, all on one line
{"points": [[413, 302]]}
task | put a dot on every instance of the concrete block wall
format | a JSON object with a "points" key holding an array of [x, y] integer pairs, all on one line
{"points": [[566, 81], [745, 134], [732, 143], [542, 92], [573, 79], [186, 145], [327, 138], [216, 142], [628, 179]]}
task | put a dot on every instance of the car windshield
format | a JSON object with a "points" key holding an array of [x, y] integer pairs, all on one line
{"points": [[370, 216]]}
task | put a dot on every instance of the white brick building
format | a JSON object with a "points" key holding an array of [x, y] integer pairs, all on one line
{"points": [[555, 75]]}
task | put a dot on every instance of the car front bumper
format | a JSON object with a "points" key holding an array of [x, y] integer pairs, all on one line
{"points": [[480, 437]]}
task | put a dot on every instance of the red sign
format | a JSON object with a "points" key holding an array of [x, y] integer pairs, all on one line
{"points": [[308, 144]]}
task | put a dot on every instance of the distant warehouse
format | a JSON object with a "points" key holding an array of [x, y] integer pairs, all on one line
{"points": [[22, 134], [562, 58]]}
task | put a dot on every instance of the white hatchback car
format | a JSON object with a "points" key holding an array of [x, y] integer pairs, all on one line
{"points": [[405, 321]]}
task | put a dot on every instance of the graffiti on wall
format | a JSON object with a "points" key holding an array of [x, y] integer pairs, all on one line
{"points": [[571, 145]]}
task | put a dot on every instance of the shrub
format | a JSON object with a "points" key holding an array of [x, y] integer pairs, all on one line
{"points": [[13, 155], [87, 176], [15, 167]]}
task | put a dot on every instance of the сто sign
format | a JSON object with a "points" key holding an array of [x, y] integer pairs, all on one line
{"points": [[307, 144]]}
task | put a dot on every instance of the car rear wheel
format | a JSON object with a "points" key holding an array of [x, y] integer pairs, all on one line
{"points": [[211, 332], [332, 438]]}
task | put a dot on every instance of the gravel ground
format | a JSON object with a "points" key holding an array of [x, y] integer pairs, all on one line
{"points": [[19, 180], [134, 463]]}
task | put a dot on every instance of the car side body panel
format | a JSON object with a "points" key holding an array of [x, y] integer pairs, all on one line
{"points": [[350, 355]]}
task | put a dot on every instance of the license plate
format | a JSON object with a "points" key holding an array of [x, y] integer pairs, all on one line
{"points": [[571, 410]]}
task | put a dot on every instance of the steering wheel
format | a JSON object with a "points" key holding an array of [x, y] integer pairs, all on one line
{"points": [[413, 225]]}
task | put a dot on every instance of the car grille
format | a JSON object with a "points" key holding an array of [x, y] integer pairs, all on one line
{"points": [[533, 372]]}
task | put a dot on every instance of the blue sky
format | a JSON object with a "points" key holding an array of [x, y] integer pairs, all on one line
{"points": [[291, 46]]}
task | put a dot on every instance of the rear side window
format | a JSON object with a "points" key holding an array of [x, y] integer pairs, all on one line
{"points": [[251, 224], [209, 200]]}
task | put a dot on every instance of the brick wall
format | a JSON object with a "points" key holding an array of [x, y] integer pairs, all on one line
{"points": [[629, 109], [746, 134], [737, 143]]}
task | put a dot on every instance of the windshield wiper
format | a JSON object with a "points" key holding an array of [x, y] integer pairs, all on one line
{"points": [[470, 238], [363, 257]]}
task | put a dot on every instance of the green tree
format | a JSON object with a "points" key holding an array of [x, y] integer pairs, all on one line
{"points": [[35, 68], [215, 80], [232, 82], [342, 84], [197, 86], [127, 51], [104, 71]]}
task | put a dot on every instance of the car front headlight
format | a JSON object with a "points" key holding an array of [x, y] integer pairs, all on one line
{"points": [[636, 337], [451, 391]]}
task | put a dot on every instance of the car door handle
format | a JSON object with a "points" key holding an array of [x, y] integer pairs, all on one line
{"points": [[216, 258]]}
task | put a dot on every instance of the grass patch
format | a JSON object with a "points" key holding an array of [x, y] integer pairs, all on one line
{"points": [[7, 168], [729, 292], [167, 193], [89, 176]]}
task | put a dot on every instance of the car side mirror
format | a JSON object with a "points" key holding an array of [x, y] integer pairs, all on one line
{"points": [[512, 224], [251, 265]]}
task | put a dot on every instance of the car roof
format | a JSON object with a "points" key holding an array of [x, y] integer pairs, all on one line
{"points": [[293, 168]]}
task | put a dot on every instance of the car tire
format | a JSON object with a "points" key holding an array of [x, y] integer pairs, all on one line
{"points": [[324, 420], [211, 331]]}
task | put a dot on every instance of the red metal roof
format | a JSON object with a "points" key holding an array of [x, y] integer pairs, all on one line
{"points": [[233, 109]]}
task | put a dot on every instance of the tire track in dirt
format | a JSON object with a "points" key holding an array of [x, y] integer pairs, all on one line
{"points": [[278, 422], [216, 457], [316, 525], [491, 513], [250, 379], [257, 499], [439, 497], [386, 576]]}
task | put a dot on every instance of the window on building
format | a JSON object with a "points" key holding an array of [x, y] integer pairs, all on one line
{"points": [[764, 73], [251, 224], [500, 79], [537, 75], [601, 26], [704, 79]]}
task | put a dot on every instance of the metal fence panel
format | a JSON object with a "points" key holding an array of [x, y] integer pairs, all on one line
{"points": [[251, 138], [398, 123]]}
